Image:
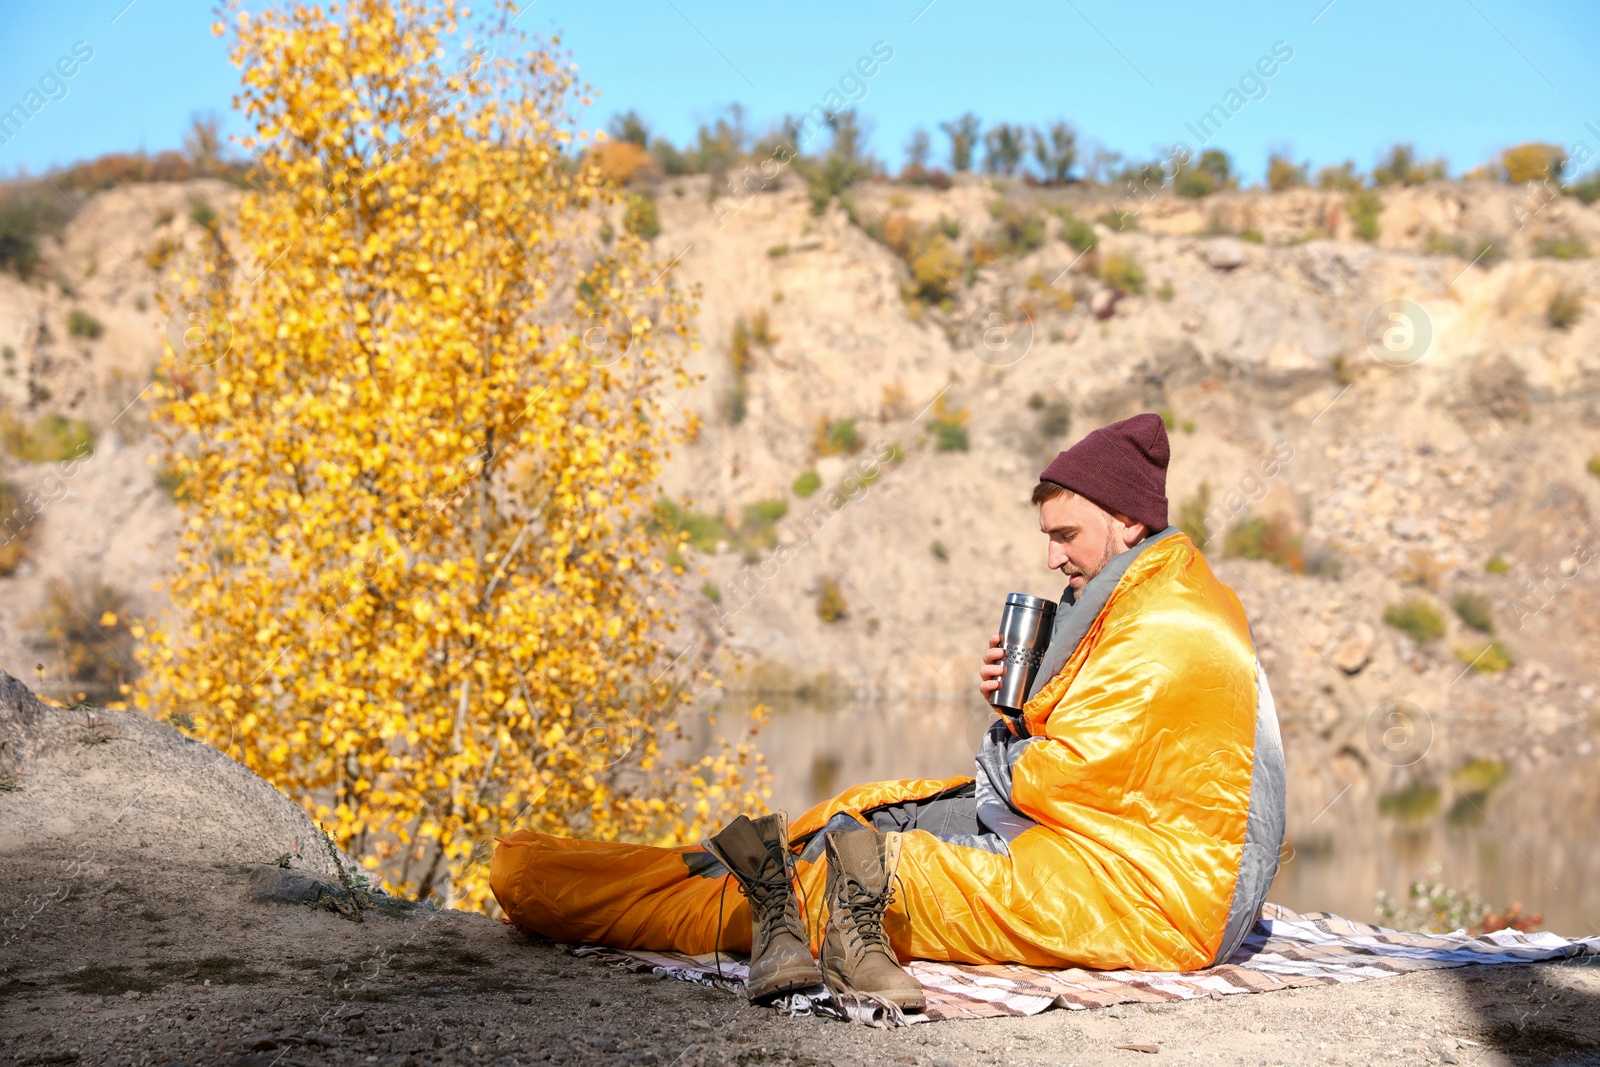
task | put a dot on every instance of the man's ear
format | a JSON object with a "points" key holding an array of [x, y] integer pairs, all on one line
{"points": [[1132, 532]]}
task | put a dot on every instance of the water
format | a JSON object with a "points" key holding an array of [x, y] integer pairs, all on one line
{"points": [[1507, 809]]}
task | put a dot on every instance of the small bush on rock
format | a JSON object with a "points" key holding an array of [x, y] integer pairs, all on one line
{"points": [[1122, 271], [84, 325], [1490, 657], [830, 602], [52, 439], [1417, 618], [1564, 309], [1364, 208], [1475, 610], [1270, 539]]}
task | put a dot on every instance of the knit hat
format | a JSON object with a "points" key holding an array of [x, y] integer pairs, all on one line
{"points": [[1121, 467]]}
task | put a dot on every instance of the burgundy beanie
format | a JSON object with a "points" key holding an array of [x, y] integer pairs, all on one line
{"points": [[1121, 467]]}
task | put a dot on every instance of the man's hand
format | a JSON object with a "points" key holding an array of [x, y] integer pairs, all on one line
{"points": [[989, 674]]}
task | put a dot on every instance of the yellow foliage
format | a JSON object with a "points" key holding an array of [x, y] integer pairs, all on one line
{"points": [[1532, 162], [619, 162], [415, 588]]}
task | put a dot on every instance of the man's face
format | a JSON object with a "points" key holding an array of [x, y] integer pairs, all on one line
{"points": [[1083, 537]]}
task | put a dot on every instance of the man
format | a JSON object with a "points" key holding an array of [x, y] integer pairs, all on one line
{"points": [[1131, 817]]}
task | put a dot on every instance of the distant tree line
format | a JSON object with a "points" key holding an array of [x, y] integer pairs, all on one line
{"points": [[1054, 155], [741, 162]]}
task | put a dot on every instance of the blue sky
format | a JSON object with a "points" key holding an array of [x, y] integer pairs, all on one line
{"points": [[1459, 78]]}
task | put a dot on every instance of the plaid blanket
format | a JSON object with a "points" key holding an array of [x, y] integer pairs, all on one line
{"points": [[1283, 951]]}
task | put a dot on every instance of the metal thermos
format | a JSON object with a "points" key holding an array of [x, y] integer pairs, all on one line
{"points": [[1024, 632]]}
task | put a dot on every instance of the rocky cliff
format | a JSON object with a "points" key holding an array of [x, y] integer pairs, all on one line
{"points": [[1378, 422]]}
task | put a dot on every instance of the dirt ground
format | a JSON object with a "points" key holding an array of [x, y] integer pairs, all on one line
{"points": [[129, 935]]}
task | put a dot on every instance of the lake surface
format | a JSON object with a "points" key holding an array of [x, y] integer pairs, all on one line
{"points": [[1509, 809]]}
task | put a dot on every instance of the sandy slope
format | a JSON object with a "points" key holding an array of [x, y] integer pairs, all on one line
{"points": [[130, 936]]}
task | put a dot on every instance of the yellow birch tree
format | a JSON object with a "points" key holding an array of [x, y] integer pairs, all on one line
{"points": [[413, 416]]}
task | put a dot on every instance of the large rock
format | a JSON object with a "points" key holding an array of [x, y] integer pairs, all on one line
{"points": [[120, 781]]}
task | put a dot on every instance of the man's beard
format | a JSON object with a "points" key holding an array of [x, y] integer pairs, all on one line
{"points": [[1107, 550]]}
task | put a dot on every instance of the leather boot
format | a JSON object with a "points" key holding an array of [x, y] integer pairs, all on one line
{"points": [[856, 955], [757, 855]]}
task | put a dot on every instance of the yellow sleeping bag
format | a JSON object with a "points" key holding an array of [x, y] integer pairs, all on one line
{"points": [[1133, 820]]}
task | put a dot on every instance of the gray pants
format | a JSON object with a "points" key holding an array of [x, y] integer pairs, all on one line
{"points": [[944, 818], [949, 818]]}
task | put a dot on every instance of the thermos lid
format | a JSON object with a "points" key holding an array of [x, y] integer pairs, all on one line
{"points": [[1023, 600]]}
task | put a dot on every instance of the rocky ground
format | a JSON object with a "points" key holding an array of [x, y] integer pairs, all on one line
{"points": [[139, 870]]}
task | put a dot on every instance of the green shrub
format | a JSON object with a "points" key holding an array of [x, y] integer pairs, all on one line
{"points": [[1018, 231], [1210, 173], [1272, 540], [1364, 206], [1416, 803], [1122, 271], [1475, 610], [1588, 190], [29, 212], [808, 482], [940, 553], [837, 437], [1117, 219], [1078, 234], [830, 602], [1593, 466], [1342, 176], [88, 638], [701, 530], [1283, 174], [1566, 246], [1402, 167], [1479, 776], [640, 216], [53, 439], [16, 526], [1497, 565], [949, 426], [1417, 618], [778, 251], [1054, 417], [172, 480], [82, 324], [758, 525], [1481, 251], [1192, 515], [935, 266], [1487, 658], [736, 401], [950, 437], [710, 591], [1564, 309], [765, 512], [201, 213], [747, 333], [1165, 292]]}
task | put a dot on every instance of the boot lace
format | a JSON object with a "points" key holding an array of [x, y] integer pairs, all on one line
{"points": [[866, 913], [769, 898]]}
